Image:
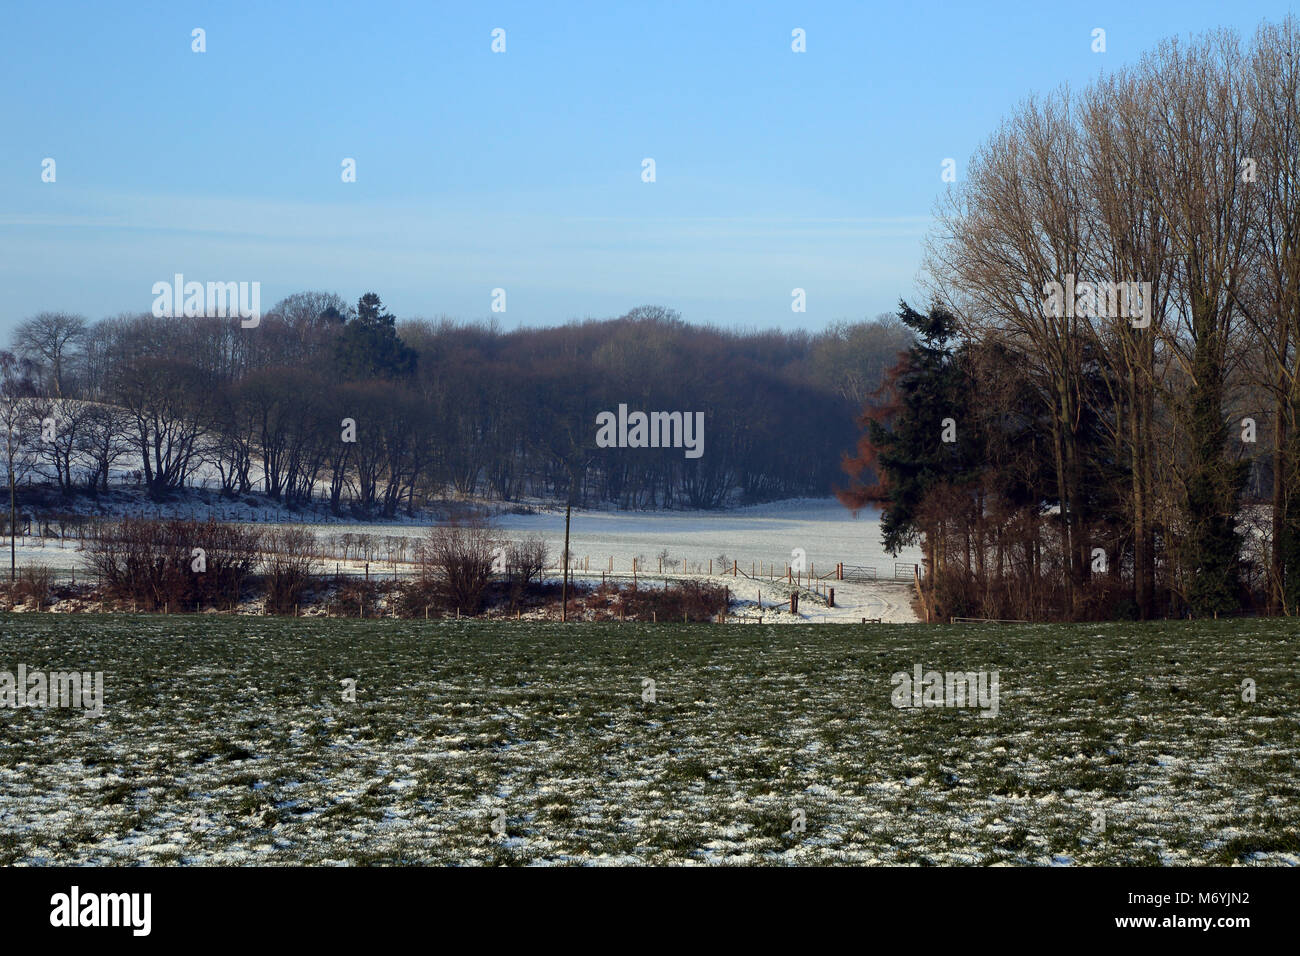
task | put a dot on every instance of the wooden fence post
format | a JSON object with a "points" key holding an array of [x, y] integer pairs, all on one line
{"points": [[916, 573]]}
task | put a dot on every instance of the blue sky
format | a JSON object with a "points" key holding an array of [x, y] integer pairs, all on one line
{"points": [[520, 170]]}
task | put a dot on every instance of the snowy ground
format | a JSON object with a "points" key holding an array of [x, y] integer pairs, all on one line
{"points": [[228, 741], [761, 539]]}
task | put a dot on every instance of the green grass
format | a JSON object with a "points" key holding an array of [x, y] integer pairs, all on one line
{"points": [[228, 741]]}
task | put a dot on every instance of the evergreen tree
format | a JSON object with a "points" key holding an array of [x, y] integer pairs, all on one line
{"points": [[905, 436], [369, 346]]}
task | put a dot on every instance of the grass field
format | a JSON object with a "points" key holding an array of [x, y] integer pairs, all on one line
{"points": [[229, 741]]}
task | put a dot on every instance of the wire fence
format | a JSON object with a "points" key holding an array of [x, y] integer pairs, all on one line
{"points": [[374, 559]]}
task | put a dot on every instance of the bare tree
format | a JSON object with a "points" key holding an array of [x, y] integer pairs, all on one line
{"points": [[1201, 128], [1132, 243], [51, 338], [526, 559], [1140, 180], [59, 428], [1274, 309], [15, 418], [171, 408], [289, 562], [1019, 226], [103, 441]]}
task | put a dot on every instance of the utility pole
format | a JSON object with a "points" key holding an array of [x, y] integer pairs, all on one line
{"points": [[574, 462], [13, 529], [564, 589], [13, 561]]}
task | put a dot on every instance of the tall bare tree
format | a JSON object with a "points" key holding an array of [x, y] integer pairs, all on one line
{"points": [[1273, 310], [1019, 225], [51, 338]]}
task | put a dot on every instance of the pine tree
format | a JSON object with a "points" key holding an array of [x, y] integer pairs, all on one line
{"points": [[369, 346], [925, 402]]}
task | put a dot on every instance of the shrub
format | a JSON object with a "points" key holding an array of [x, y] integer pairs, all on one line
{"points": [[33, 583], [355, 599], [288, 566], [698, 601], [415, 598], [525, 562], [458, 559], [155, 564]]}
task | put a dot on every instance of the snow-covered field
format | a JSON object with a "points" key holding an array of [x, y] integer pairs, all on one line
{"points": [[822, 527], [231, 741], [761, 539]]}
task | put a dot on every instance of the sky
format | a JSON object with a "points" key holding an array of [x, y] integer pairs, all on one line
{"points": [[519, 170]]}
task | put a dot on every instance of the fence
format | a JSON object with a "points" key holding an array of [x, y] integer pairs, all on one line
{"points": [[854, 572], [332, 574], [634, 568]]}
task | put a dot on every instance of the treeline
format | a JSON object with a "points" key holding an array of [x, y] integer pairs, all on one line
{"points": [[327, 402], [1100, 416]]}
